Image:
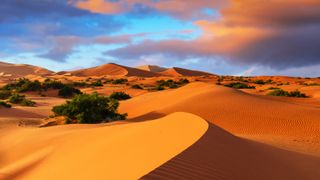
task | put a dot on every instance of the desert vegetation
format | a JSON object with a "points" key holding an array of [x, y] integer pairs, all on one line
{"points": [[281, 92], [162, 84], [5, 104], [21, 100], [238, 85], [120, 96], [89, 108]]}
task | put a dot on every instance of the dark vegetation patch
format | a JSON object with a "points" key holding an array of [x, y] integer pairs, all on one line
{"points": [[5, 104], [120, 96], [90, 108], [281, 92], [239, 85], [21, 100], [163, 84]]}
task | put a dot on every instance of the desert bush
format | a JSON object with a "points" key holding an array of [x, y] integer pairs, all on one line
{"points": [[136, 86], [259, 81], [184, 81], [90, 108], [120, 96], [238, 85], [97, 83], [119, 81], [281, 92], [52, 84], [80, 84], [4, 104], [68, 91], [21, 99], [5, 94]]}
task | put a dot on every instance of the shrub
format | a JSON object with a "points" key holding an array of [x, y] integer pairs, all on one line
{"points": [[97, 83], [120, 96], [21, 99], [238, 85], [158, 88], [259, 81], [80, 84], [136, 86], [53, 84], [90, 108], [68, 91], [119, 81], [280, 92], [5, 94], [4, 104], [184, 81]]}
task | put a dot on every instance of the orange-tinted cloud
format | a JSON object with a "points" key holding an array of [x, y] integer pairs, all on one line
{"points": [[274, 33]]}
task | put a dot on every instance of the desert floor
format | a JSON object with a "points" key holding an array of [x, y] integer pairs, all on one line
{"points": [[198, 131]]}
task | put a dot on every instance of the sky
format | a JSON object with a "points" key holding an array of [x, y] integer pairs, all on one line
{"points": [[228, 37]]}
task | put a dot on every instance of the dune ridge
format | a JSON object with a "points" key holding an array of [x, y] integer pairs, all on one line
{"points": [[112, 69], [135, 148], [20, 70], [176, 71], [237, 112], [152, 68]]}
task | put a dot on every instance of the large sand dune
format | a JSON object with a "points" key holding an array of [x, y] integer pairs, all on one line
{"points": [[220, 155], [175, 71], [152, 68], [124, 151], [21, 70], [286, 124], [112, 69]]}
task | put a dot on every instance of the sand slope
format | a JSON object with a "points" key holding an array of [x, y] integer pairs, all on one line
{"points": [[175, 71], [220, 155], [281, 123], [152, 68], [125, 151], [112, 69], [20, 70]]}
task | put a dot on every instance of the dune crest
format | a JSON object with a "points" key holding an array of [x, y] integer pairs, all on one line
{"points": [[21, 70], [176, 71], [112, 69], [135, 148], [152, 68]]}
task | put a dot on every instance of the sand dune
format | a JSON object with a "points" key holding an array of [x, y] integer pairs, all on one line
{"points": [[20, 70], [280, 123], [175, 71], [220, 155], [133, 149], [152, 68], [112, 69]]}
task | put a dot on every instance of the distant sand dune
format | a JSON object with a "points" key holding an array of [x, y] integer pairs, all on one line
{"points": [[112, 69], [20, 70], [175, 71]]}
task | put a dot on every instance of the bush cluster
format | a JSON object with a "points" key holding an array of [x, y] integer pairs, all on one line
{"points": [[120, 96], [21, 99], [5, 94], [280, 92], [136, 86], [260, 81], [238, 85], [68, 91], [97, 83], [4, 104], [90, 108], [161, 84]]}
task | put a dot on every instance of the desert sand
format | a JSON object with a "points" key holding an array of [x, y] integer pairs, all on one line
{"points": [[198, 131]]}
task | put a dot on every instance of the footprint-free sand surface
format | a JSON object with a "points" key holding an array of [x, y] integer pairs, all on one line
{"points": [[97, 152]]}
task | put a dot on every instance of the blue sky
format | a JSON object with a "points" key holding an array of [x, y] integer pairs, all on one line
{"points": [[223, 37]]}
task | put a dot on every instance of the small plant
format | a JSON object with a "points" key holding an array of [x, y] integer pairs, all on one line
{"points": [[21, 99], [238, 85], [90, 108], [119, 81], [158, 88], [184, 81], [259, 81], [5, 94], [136, 86], [120, 96], [97, 83], [280, 92], [68, 91], [4, 104], [272, 88]]}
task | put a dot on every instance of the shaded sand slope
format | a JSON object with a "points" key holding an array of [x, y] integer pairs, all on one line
{"points": [[175, 71], [124, 151], [220, 155], [237, 112], [112, 69], [152, 68]]}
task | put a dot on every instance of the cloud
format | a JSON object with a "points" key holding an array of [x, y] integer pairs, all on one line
{"points": [[278, 34]]}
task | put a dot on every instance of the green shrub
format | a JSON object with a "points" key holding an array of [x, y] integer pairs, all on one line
{"points": [[280, 92], [5, 94], [136, 86], [80, 84], [259, 81], [90, 108], [97, 83], [4, 104], [21, 99], [52, 84], [119, 81], [238, 85], [184, 81], [158, 88], [68, 91], [120, 96]]}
